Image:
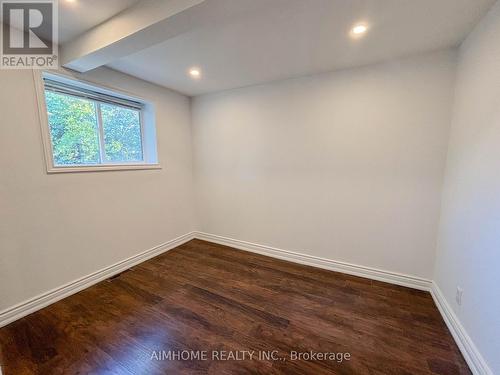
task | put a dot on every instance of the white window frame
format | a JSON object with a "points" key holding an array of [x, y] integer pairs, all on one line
{"points": [[148, 130]]}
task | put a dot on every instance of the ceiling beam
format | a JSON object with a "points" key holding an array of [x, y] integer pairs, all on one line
{"points": [[147, 23]]}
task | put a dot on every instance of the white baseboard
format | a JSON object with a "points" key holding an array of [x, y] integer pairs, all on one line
{"points": [[332, 265], [469, 350], [48, 298]]}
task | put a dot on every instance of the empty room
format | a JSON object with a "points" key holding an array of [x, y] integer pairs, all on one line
{"points": [[250, 187]]}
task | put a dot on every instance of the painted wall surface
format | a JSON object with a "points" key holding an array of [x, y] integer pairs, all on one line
{"points": [[346, 165], [57, 228], [469, 239]]}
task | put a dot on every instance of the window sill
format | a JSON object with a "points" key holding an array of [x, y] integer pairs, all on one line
{"points": [[103, 168]]}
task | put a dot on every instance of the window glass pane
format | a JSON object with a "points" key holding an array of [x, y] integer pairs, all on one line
{"points": [[73, 129], [122, 133]]}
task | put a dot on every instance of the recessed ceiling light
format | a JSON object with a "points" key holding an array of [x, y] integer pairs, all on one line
{"points": [[71, 1], [359, 29], [195, 73]]}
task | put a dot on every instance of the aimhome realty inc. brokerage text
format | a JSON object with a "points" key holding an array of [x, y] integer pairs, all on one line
{"points": [[246, 355]]}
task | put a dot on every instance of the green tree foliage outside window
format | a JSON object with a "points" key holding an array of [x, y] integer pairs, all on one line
{"points": [[73, 129], [75, 134], [122, 133]]}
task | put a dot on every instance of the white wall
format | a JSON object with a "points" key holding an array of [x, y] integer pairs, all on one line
{"points": [[57, 228], [469, 241], [346, 165]]}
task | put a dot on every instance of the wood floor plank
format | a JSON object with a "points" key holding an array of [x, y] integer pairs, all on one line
{"points": [[207, 297]]}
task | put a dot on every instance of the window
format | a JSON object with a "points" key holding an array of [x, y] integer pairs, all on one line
{"points": [[91, 128]]}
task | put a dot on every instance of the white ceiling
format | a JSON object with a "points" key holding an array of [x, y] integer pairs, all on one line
{"points": [[244, 42], [81, 15]]}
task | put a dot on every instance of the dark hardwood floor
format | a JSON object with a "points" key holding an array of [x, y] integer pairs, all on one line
{"points": [[220, 301]]}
